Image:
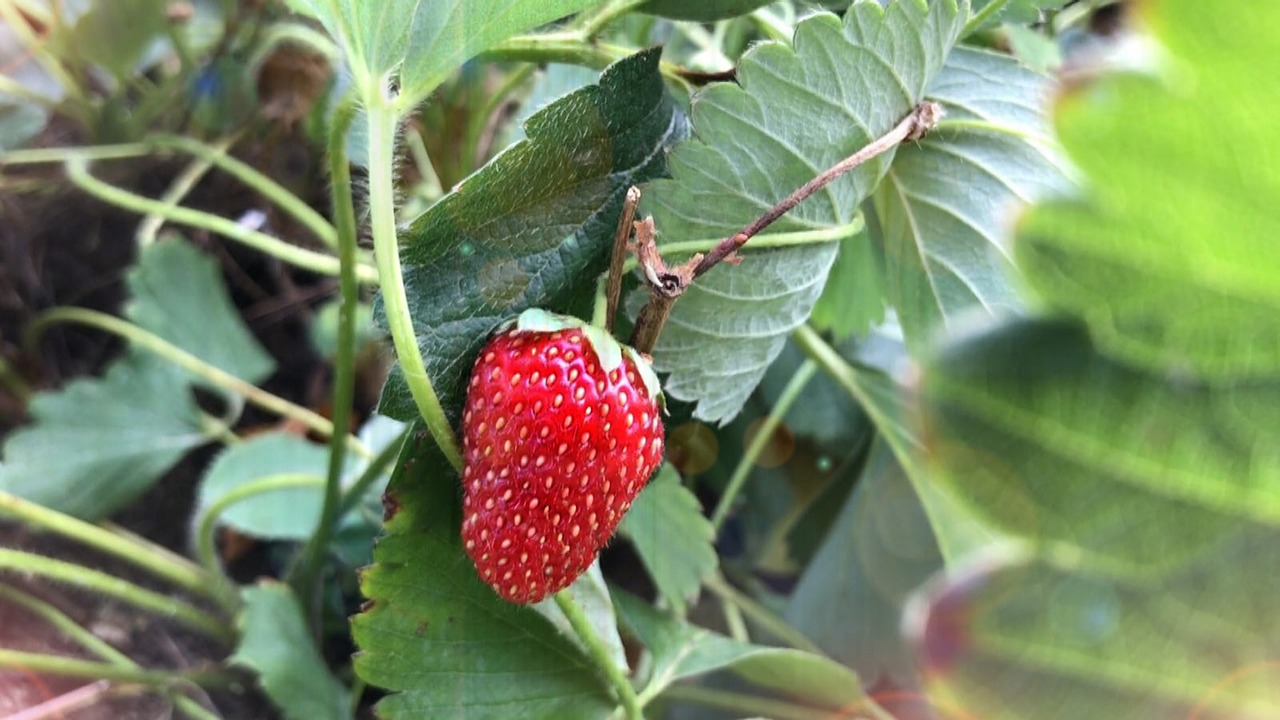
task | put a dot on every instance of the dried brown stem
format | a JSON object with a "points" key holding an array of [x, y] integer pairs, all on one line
{"points": [[620, 244], [666, 284], [913, 127]]}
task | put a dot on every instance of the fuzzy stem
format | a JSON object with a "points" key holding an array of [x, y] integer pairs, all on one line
{"points": [[40, 156], [78, 172], [114, 587], [382, 211], [757, 445], [980, 18], [600, 654], [596, 23], [206, 371], [344, 214], [140, 553]]}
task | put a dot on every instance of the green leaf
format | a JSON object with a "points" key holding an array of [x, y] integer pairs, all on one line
{"points": [[116, 34], [797, 113], [99, 443], [851, 595], [179, 295], [440, 639], [534, 227], [853, 299], [290, 513], [1017, 637], [703, 10], [1014, 11], [276, 644], [943, 210], [672, 536], [19, 122], [1169, 256], [684, 651], [425, 41], [1134, 472]]}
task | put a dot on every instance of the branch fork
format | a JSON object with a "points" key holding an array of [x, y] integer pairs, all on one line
{"points": [[667, 283]]}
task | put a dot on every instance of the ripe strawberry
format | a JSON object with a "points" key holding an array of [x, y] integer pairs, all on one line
{"points": [[561, 431]]}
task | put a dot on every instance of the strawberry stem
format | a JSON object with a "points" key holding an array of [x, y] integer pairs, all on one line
{"points": [[600, 654]]}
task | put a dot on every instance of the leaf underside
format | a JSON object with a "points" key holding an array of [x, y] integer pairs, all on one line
{"points": [[796, 112]]}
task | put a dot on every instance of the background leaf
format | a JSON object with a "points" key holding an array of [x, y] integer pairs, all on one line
{"points": [[440, 639], [276, 644], [850, 598], [178, 294], [534, 228], [672, 537], [98, 443], [282, 514], [944, 209], [426, 41], [796, 113], [1014, 637], [682, 651], [1169, 254], [703, 10]]}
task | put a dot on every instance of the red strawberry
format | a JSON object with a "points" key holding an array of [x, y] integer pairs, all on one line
{"points": [[561, 431]]}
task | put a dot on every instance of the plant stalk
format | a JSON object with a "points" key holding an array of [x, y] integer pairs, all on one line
{"points": [[114, 587], [382, 211], [600, 654], [78, 172], [206, 371], [141, 554], [757, 445], [307, 584]]}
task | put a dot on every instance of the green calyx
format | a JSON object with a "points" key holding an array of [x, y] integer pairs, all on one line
{"points": [[608, 350]]}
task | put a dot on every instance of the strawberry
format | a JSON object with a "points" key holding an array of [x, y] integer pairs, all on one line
{"points": [[560, 432]]}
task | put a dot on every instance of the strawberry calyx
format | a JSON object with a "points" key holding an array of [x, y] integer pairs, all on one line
{"points": [[608, 350]]}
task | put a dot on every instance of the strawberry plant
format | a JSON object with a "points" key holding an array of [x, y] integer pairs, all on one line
{"points": [[796, 359]]}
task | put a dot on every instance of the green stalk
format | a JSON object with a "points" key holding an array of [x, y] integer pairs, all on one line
{"points": [[756, 706], [773, 624], [38, 156], [757, 445], [382, 212], [572, 49], [69, 628], [179, 189], [72, 667], [259, 183], [344, 365], [600, 654], [91, 643], [78, 172], [206, 546], [982, 16], [114, 587], [141, 554], [596, 23], [206, 371]]}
